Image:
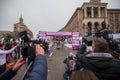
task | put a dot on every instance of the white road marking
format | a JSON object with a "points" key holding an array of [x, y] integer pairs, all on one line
{"points": [[50, 54]]}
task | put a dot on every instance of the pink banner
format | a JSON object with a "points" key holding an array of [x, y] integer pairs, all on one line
{"points": [[59, 34], [75, 40]]}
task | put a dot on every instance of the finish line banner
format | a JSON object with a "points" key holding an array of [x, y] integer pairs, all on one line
{"points": [[58, 33], [75, 37], [44, 34]]}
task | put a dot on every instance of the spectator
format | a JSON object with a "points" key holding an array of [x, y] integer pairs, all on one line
{"points": [[39, 70], [101, 63], [70, 58], [70, 65], [3, 56], [83, 75]]}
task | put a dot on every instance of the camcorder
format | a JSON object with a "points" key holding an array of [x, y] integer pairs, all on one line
{"points": [[27, 50], [106, 34], [27, 46]]}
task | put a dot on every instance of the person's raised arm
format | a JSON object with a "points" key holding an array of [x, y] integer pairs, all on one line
{"points": [[39, 71], [7, 51]]}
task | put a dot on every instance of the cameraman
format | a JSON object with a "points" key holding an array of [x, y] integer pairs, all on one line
{"points": [[101, 63], [39, 70]]}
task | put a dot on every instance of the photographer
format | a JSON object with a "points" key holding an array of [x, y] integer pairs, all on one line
{"points": [[101, 63], [39, 70], [70, 65]]}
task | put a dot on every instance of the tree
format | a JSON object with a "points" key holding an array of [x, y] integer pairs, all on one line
{"points": [[8, 36]]}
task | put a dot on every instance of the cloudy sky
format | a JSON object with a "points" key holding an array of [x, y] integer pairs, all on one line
{"points": [[41, 15]]}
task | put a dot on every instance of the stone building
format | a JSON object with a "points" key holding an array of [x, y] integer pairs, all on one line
{"points": [[20, 26], [89, 18], [114, 19]]}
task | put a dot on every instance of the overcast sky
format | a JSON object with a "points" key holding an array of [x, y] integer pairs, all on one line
{"points": [[41, 15]]}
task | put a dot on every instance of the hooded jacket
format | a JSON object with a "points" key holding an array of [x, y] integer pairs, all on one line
{"points": [[102, 64]]}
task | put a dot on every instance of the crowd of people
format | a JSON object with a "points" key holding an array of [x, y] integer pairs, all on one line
{"points": [[7, 73], [39, 71], [97, 64]]}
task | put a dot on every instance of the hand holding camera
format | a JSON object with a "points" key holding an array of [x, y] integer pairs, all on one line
{"points": [[39, 50]]}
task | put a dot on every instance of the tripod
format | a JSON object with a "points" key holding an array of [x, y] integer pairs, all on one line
{"points": [[27, 71]]}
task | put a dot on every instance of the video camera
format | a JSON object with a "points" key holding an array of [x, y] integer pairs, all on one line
{"points": [[104, 32], [27, 50], [27, 46], [114, 46]]}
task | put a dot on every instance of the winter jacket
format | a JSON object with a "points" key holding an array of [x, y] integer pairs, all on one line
{"points": [[82, 49], [102, 64], [39, 71]]}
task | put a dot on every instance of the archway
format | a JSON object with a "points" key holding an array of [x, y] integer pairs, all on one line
{"points": [[89, 28], [96, 26], [103, 25]]}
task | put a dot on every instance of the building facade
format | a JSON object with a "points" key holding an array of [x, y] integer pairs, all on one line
{"points": [[90, 16], [114, 20], [18, 27]]}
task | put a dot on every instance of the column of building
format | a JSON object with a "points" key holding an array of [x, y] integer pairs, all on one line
{"points": [[92, 12], [106, 15], [93, 16], [85, 12], [85, 26], [99, 12], [86, 30]]}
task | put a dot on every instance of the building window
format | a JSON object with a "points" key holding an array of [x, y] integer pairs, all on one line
{"points": [[96, 26], [108, 16], [89, 28], [116, 19], [119, 17], [112, 25], [96, 12], [111, 17], [89, 12], [103, 11], [117, 28]]}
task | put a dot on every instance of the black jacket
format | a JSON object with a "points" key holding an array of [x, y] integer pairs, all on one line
{"points": [[102, 64], [82, 49]]}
